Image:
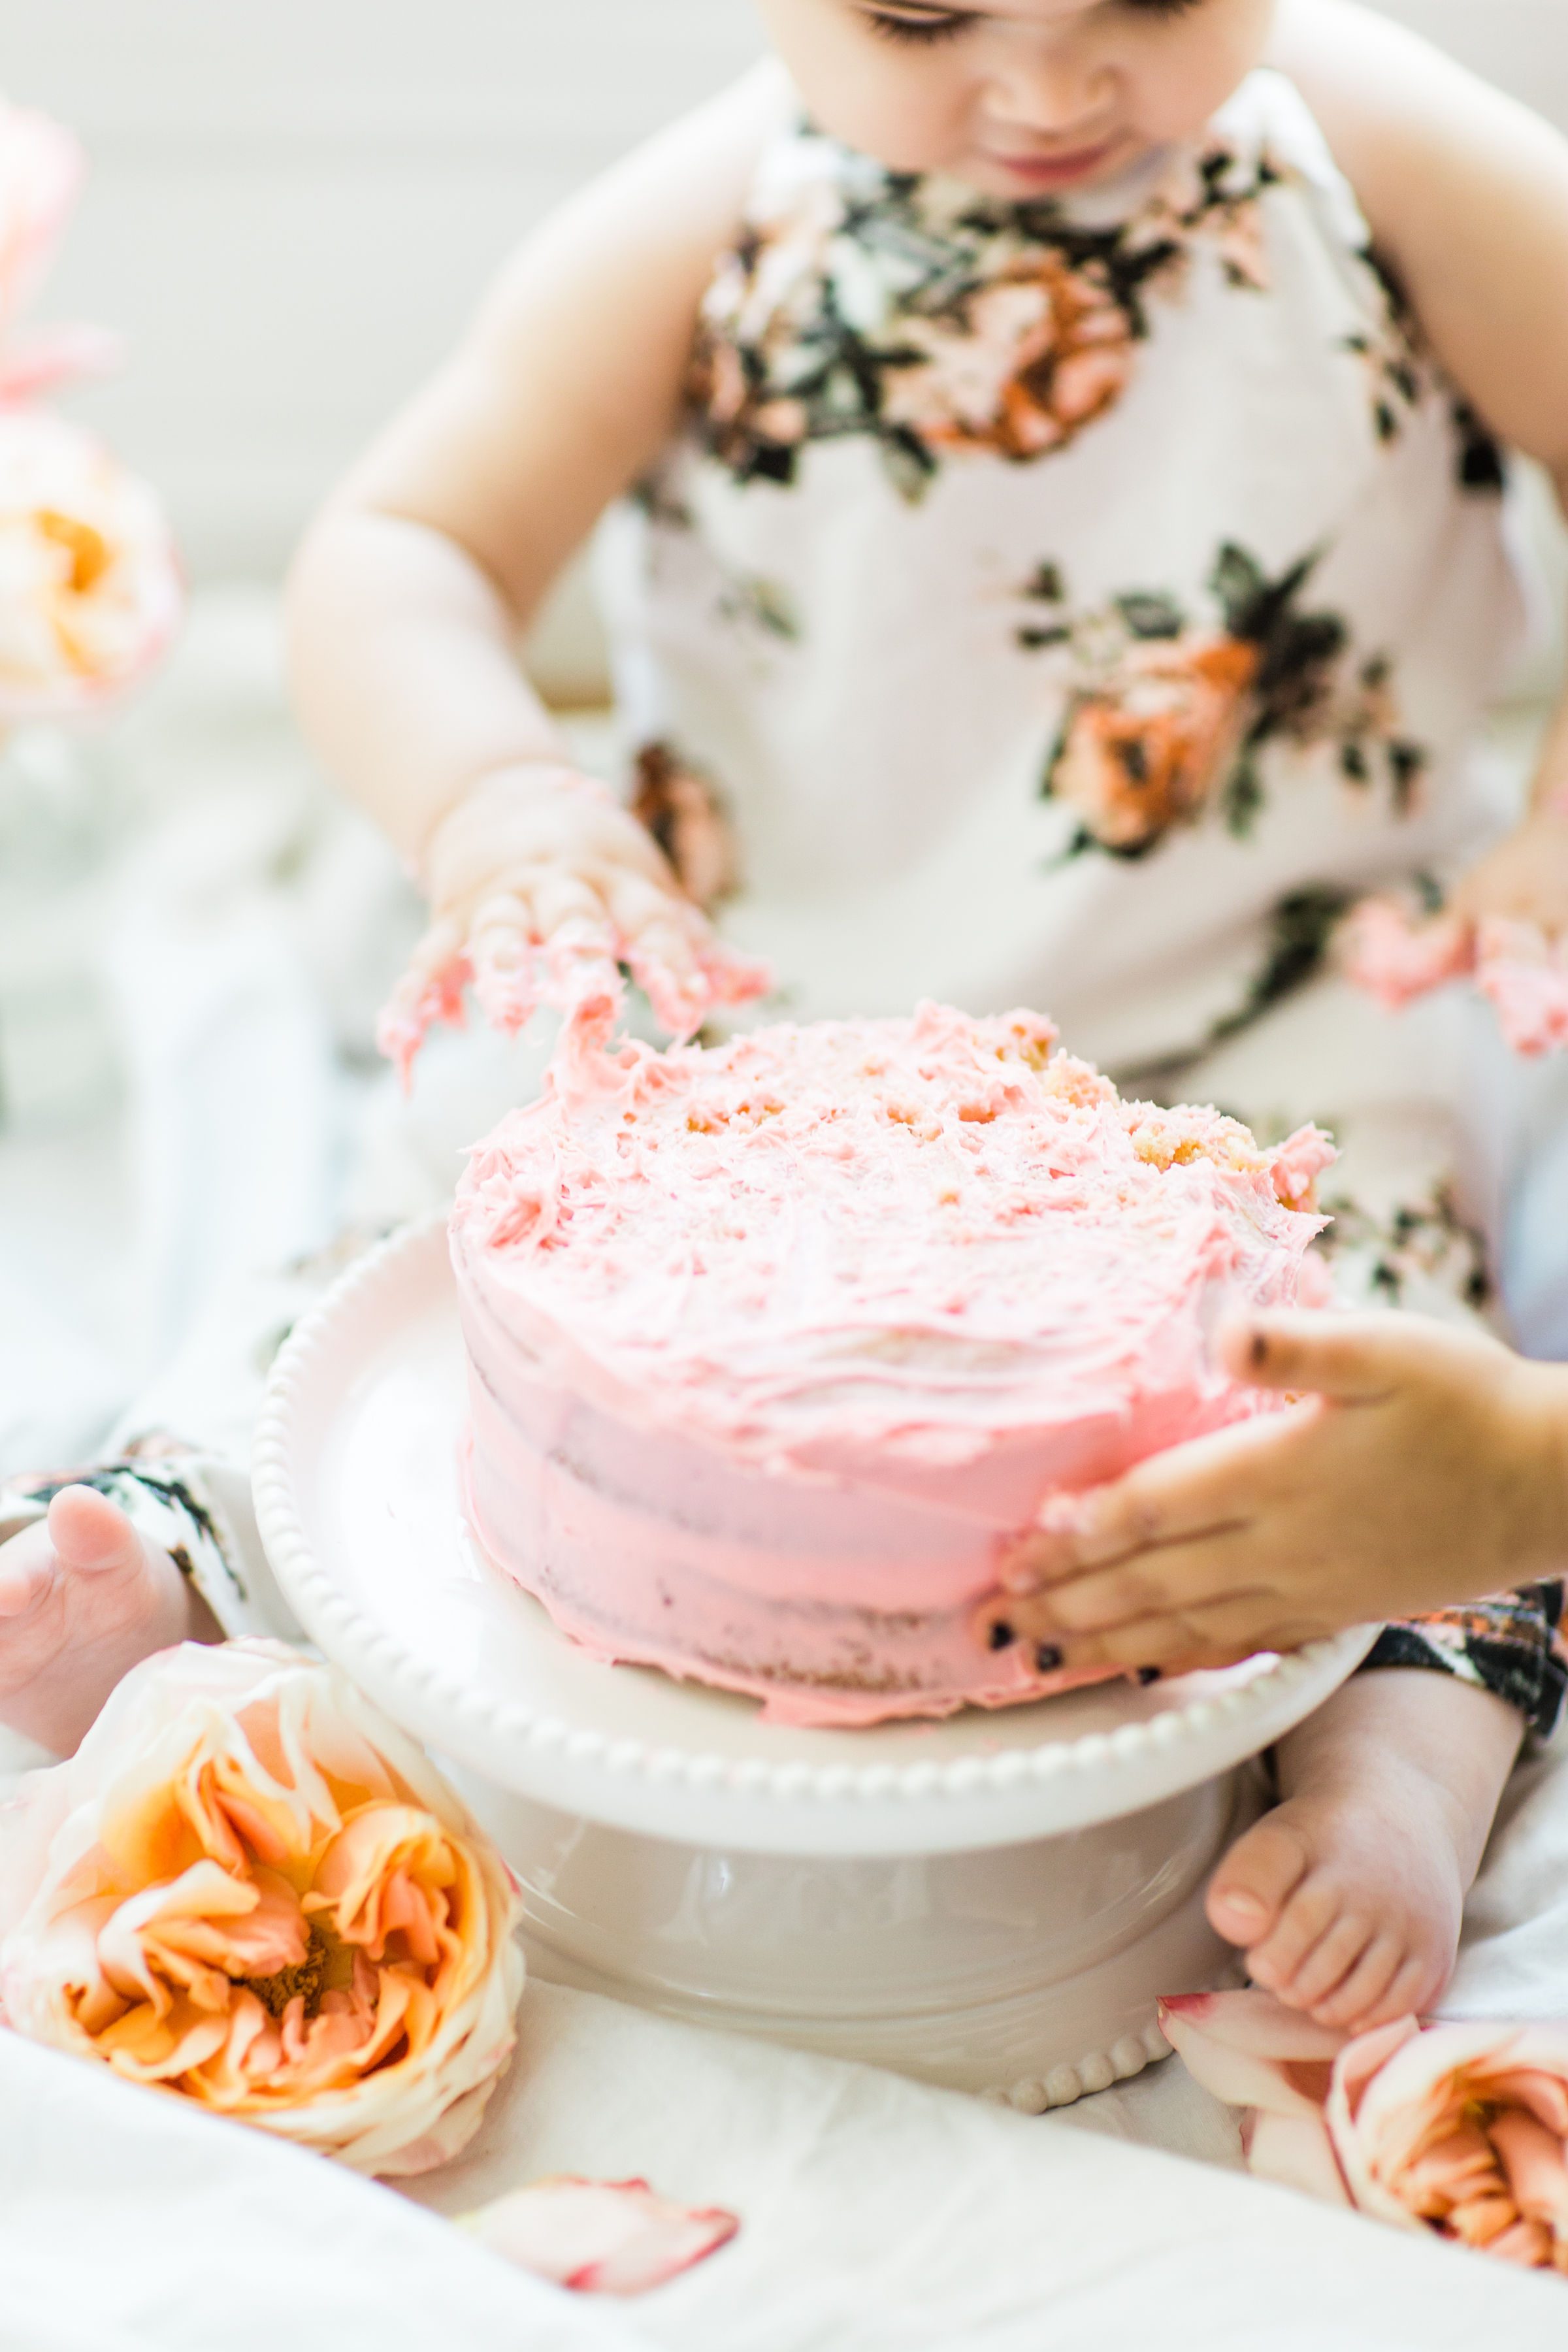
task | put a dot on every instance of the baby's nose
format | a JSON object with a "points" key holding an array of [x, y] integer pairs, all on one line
{"points": [[1048, 89]]}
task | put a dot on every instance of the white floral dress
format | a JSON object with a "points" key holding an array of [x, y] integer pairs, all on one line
{"points": [[1079, 604]]}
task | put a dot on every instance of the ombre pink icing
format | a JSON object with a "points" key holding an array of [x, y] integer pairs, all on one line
{"points": [[774, 1348]]}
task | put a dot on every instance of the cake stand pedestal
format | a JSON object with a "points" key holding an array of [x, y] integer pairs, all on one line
{"points": [[992, 1902]]}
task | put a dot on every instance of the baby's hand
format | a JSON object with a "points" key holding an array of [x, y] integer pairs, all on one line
{"points": [[1430, 1466], [541, 886], [1506, 926], [1524, 879], [83, 1598]]}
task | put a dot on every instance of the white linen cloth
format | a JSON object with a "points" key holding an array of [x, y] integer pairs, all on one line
{"points": [[129, 2222], [877, 2216]]}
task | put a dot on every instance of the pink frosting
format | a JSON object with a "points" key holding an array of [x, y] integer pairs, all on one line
{"points": [[774, 1347], [1399, 955]]}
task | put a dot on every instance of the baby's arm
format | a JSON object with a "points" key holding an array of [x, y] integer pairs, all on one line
{"points": [[1430, 1467], [1466, 195], [409, 595]]}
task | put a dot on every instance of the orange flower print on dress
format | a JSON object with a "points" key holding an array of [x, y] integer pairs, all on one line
{"points": [[1141, 753], [860, 303], [681, 809], [1167, 717], [1030, 361]]}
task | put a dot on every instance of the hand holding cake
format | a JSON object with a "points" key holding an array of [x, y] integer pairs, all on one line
{"points": [[1423, 1466], [540, 888]]}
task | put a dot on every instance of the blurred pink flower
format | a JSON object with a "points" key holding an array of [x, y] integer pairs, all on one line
{"points": [[1459, 2129], [249, 1888], [89, 587], [41, 169]]}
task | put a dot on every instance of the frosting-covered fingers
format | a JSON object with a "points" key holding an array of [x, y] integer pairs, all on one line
{"points": [[668, 943], [660, 925], [430, 990], [503, 957], [563, 901]]}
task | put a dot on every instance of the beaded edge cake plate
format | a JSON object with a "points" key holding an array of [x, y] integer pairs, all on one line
{"points": [[355, 1480]]}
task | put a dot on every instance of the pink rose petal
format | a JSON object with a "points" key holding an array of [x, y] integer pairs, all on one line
{"points": [[40, 174], [1534, 2162], [1251, 2052], [600, 2237], [1295, 2151], [1456, 2128]]}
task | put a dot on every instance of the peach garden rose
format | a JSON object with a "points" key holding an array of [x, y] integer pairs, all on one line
{"points": [[89, 587], [248, 1888], [1460, 2129]]}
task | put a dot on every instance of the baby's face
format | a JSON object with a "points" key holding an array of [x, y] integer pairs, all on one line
{"points": [[1019, 98]]}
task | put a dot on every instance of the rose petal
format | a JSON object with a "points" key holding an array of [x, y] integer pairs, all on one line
{"points": [[600, 2237], [40, 173], [1529, 2243], [1251, 2050], [1295, 2150], [1534, 2162]]}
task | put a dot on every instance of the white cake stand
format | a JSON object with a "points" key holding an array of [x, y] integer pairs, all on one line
{"points": [[992, 1902]]}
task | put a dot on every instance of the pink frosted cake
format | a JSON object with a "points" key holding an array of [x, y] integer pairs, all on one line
{"points": [[773, 1348]]}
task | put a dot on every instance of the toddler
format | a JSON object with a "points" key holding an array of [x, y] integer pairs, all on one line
{"points": [[1052, 456]]}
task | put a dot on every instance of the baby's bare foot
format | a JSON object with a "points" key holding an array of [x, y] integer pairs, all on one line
{"points": [[1347, 1905], [1347, 1898], [82, 1599]]}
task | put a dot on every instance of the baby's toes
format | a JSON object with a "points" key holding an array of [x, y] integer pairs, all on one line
{"points": [[1360, 1999], [91, 1536], [27, 1575], [1417, 1982], [1338, 1951], [1248, 1893]]}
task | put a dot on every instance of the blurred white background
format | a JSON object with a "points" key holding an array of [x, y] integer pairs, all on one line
{"points": [[292, 206]]}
